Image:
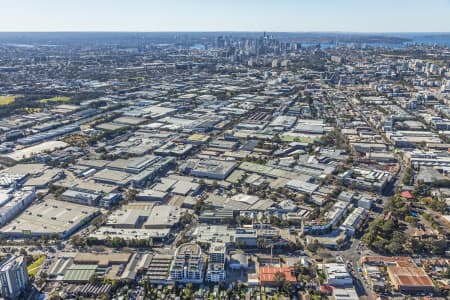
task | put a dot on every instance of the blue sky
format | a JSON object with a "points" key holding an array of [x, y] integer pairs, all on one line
{"points": [[226, 15]]}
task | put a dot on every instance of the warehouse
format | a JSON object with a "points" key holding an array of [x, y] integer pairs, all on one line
{"points": [[409, 279], [13, 203], [302, 186], [81, 197], [152, 195], [283, 122], [163, 217], [50, 217], [213, 169], [136, 170], [32, 151]]}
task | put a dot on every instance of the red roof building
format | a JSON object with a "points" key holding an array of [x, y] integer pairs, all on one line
{"points": [[407, 195], [267, 274], [409, 279]]}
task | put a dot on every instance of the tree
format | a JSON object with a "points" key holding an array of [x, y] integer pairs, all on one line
{"points": [[276, 138], [340, 242], [238, 220], [411, 220], [446, 273], [438, 247], [131, 194], [299, 244], [437, 205], [394, 247], [387, 227], [202, 183], [198, 206], [261, 242], [287, 287], [43, 275], [229, 293], [408, 176], [240, 244], [55, 296], [188, 291], [95, 279], [303, 271], [315, 213], [215, 184], [279, 279], [274, 220], [187, 218], [77, 241], [417, 246], [314, 246], [379, 245]]}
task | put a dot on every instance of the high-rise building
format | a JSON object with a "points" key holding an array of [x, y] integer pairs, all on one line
{"points": [[216, 267], [13, 277]]}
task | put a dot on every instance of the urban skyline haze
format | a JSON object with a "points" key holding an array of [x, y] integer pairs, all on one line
{"points": [[230, 15]]}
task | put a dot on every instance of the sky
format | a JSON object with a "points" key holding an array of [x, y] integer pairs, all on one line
{"points": [[226, 15]]}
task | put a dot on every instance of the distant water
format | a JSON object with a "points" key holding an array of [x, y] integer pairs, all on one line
{"points": [[198, 47], [20, 45], [307, 39], [430, 40], [414, 39]]}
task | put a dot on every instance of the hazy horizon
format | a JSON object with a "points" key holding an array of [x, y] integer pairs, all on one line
{"points": [[237, 31], [345, 16]]}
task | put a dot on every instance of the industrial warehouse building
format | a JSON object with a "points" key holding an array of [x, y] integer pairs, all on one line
{"points": [[50, 217]]}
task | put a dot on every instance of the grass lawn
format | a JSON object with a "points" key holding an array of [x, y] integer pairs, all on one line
{"points": [[5, 100], [55, 99], [36, 265]]}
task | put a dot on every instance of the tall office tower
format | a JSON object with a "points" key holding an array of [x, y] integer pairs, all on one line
{"points": [[13, 277]]}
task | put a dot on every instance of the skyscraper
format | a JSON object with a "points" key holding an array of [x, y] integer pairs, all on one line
{"points": [[13, 277]]}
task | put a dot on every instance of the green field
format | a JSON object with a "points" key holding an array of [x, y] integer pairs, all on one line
{"points": [[140, 78], [5, 100], [55, 99], [36, 265]]}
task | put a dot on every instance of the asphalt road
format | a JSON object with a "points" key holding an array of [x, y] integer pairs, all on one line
{"points": [[353, 255]]}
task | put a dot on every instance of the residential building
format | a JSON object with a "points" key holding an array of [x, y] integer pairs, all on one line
{"points": [[216, 265], [13, 277], [188, 265]]}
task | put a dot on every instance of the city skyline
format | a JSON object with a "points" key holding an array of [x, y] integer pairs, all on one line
{"points": [[202, 15]]}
